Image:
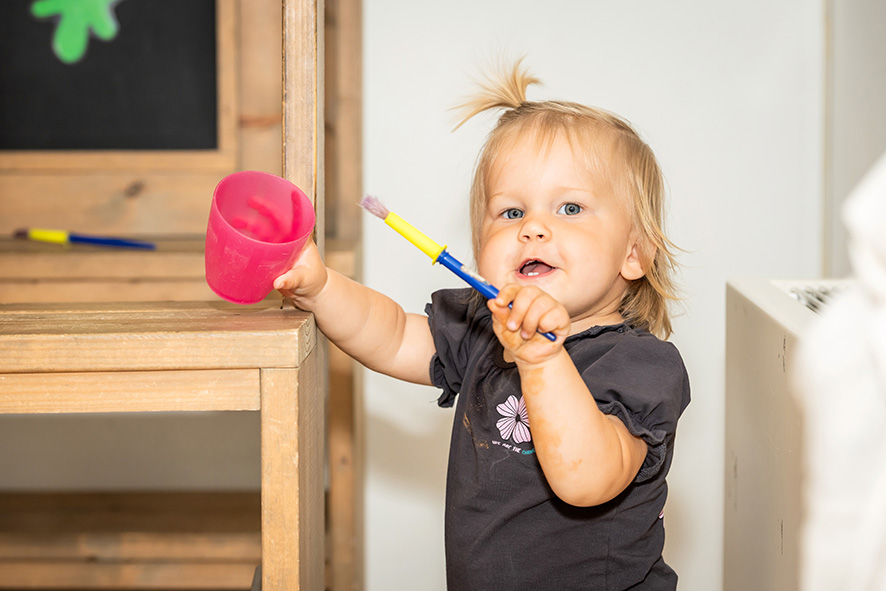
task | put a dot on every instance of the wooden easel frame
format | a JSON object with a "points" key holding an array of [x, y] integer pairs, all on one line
{"points": [[249, 139]]}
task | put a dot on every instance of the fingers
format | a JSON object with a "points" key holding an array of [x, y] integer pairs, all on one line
{"points": [[287, 282], [529, 310], [527, 307], [306, 277]]}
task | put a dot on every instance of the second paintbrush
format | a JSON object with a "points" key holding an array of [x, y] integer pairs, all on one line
{"points": [[438, 253]]}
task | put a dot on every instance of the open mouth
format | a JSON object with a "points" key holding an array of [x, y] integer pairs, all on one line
{"points": [[535, 268]]}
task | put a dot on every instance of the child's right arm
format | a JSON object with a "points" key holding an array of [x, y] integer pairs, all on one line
{"points": [[368, 326]]}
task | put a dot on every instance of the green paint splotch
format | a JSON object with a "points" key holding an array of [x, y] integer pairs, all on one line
{"points": [[76, 20]]}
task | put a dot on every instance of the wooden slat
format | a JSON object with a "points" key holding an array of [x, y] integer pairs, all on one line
{"points": [[134, 160], [140, 391], [174, 258], [261, 114], [138, 540], [344, 186], [127, 203], [141, 336], [293, 513], [292, 501], [116, 290], [157, 512], [132, 546], [228, 74], [39, 272], [344, 121], [165, 575], [153, 310], [344, 257], [345, 441], [312, 379], [303, 117]]}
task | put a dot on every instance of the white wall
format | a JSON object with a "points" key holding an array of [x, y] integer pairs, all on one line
{"points": [[856, 130], [729, 95]]}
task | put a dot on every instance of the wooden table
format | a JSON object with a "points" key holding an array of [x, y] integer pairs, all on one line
{"points": [[184, 357]]}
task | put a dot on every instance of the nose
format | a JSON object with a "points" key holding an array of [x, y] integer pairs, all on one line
{"points": [[534, 227]]}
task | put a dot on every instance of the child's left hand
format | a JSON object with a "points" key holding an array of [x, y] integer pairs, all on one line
{"points": [[517, 326]]}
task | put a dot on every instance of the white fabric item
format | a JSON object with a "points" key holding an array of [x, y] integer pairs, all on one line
{"points": [[841, 387]]}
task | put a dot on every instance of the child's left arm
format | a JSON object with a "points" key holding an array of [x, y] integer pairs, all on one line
{"points": [[588, 457]]}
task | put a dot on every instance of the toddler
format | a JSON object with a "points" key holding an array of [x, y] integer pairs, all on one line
{"points": [[559, 450]]}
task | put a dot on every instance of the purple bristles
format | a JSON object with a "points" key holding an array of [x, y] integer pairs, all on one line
{"points": [[374, 206]]}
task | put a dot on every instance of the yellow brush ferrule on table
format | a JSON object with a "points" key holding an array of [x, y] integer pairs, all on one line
{"points": [[55, 236]]}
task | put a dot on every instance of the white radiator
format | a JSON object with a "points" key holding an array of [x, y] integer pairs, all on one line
{"points": [[764, 431]]}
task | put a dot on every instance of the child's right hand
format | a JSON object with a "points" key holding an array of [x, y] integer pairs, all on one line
{"points": [[519, 313], [306, 279]]}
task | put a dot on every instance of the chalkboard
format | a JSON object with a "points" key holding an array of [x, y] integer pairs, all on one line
{"points": [[152, 87]]}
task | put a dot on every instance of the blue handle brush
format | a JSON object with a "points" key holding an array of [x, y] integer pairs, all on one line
{"points": [[65, 237], [438, 253]]}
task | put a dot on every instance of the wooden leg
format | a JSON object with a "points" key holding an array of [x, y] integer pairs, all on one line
{"points": [[292, 449], [345, 443]]}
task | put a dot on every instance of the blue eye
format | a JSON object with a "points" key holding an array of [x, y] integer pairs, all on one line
{"points": [[513, 213], [570, 209]]}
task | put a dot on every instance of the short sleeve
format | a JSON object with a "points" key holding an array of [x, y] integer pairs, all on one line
{"points": [[642, 381], [452, 321]]}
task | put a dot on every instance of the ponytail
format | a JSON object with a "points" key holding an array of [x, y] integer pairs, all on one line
{"points": [[503, 91]]}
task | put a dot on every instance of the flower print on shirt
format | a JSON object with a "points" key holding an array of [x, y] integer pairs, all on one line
{"points": [[515, 424]]}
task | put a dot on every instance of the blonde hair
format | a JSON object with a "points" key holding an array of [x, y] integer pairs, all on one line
{"points": [[610, 146]]}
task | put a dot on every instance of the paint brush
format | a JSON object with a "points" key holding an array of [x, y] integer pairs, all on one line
{"points": [[438, 253], [65, 237]]}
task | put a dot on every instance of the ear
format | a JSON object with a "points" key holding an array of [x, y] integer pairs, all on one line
{"points": [[633, 267]]}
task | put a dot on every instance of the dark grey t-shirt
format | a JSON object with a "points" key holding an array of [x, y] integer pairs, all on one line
{"points": [[505, 528]]}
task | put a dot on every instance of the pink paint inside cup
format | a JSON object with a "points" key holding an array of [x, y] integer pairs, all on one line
{"points": [[258, 224]]}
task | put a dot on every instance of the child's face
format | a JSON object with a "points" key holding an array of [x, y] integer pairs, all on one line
{"points": [[551, 223]]}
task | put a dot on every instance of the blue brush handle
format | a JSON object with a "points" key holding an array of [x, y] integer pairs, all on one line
{"points": [[484, 287], [106, 241]]}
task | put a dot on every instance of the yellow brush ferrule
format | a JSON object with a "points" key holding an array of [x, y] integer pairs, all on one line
{"points": [[412, 234], [55, 236]]}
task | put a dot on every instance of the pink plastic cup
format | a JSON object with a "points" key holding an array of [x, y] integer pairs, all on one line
{"points": [[258, 224]]}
